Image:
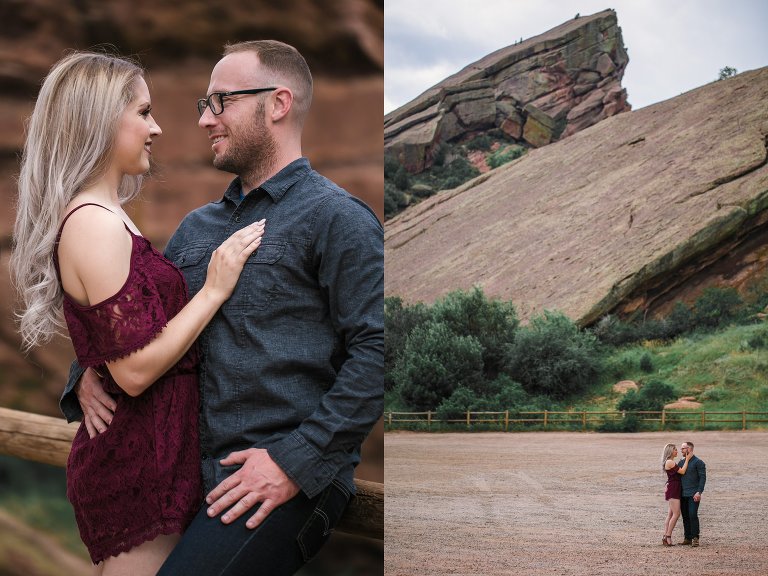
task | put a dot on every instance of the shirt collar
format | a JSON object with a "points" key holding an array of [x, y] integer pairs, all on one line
{"points": [[276, 186]]}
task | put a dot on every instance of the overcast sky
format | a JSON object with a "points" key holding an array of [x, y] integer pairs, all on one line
{"points": [[673, 45]]}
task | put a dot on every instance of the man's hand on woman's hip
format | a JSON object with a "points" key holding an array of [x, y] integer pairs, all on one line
{"points": [[98, 406], [258, 481]]}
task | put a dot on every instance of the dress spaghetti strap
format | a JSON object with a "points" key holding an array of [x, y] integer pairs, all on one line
{"points": [[75, 209], [61, 229]]}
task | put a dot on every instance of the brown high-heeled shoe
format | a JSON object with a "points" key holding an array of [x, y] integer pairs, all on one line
{"points": [[667, 540]]}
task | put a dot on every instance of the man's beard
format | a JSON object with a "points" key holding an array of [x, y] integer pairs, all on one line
{"points": [[251, 151]]}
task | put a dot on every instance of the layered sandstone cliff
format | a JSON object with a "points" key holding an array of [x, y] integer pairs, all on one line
{"points": [[633, 213], [537, 91]]}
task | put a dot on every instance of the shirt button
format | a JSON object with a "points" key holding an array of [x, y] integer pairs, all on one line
{"points": [[237, 219]]}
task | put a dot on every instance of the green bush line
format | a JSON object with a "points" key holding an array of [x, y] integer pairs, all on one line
{"points": [[469, 352]]}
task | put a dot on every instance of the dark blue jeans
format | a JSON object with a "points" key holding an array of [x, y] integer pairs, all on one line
{"points": [[286, 540], [690, 512]]}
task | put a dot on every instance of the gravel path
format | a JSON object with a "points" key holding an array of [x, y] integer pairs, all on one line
{"points": [[568, 504]]}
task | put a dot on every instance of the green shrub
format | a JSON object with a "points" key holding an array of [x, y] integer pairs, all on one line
{"points": [[492, 322], [399, 322], [629, 423], [481, 142], [552, 356], [713, 394], [460, 401], [726, 72], [510, 395], [716, 307], [453, 174], [631, 401], [651, 397], [434, 363], [680, 319], [402, 179], [394, 200], [646, 363], [504, 154], [611, 330], [391, 166], [440, 153], [657, 393], [758, 340]]}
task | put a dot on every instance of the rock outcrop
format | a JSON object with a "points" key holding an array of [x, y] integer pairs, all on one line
{"points": [[633, 213], [537, 91]]}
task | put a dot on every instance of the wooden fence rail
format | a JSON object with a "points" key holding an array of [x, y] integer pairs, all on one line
{"points": [[581, 419], [48, 440]]}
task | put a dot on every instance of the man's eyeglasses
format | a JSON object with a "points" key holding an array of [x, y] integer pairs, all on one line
{"points": [[216, 100]]}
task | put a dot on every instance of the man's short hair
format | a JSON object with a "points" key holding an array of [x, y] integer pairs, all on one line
{"points": [[285, 65], [690, 444]]}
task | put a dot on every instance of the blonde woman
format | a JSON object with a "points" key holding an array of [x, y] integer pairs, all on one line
{"points": [[78, 257], [673, 490]]}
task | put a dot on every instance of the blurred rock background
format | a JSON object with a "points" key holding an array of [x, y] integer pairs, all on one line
{"points": [[179, 42]]}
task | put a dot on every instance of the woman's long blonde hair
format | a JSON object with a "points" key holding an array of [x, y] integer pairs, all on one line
{"points": [[666, 454], [68, 147]]}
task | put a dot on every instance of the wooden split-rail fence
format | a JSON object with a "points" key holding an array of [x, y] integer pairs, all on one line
{"points": [[48, 440], [576, 419]]}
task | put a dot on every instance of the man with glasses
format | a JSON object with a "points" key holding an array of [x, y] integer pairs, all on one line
{"points": [[291, 373], [693, 485]]}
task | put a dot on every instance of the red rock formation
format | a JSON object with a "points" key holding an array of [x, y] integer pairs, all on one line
{"points": [[641, 210], [537, 91]]}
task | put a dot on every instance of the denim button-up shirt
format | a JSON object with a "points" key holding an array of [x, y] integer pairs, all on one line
{"points": [[293, 361]]}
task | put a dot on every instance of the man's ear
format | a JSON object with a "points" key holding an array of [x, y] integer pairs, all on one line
{"points": [[282, 102]]}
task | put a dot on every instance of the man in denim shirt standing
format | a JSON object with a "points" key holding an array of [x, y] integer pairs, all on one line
{"points": [[291, 373], [693, 482]]}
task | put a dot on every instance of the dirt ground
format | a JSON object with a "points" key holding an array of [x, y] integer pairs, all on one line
{"points": [[568, 504]]}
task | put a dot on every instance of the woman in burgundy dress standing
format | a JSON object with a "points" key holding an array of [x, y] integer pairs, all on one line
{"points": [[79, 256], [673, 491]]}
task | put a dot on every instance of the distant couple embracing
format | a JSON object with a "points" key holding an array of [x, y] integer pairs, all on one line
{"points": [[685, 484]]}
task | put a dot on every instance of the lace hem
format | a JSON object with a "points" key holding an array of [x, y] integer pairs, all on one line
{"points": [[116, 545], [93, 361]]}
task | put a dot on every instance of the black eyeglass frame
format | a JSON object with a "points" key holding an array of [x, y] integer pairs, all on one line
{"points": [[204, 103]]}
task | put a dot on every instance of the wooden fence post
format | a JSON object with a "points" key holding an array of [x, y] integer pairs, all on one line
{"points": [[506, 421], [743, 419], [468, 420], [545, 419], [429, 420], [663, 418], [584, 420]]}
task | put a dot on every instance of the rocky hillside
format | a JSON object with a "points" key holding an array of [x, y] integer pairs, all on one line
{"points": [[179, 42], [535, 92], [633, 213]]}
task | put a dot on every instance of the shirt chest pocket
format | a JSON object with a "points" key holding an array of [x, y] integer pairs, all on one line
{"points": [[193, 263], [261, 281]]}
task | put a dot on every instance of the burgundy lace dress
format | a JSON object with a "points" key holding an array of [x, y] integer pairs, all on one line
{"points": [[674, 484], [141, 477]]}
